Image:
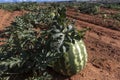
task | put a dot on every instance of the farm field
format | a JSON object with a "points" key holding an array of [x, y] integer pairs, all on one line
{"points": [[102, 42]]}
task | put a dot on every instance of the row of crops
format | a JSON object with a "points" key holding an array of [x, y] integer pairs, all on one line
{"points": [[112, 6], [29, 6], [95, 9], [40, 39], [83, 7]]}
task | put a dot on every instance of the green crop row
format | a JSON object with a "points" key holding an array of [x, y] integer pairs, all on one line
{"points": [[29, 6], [89, 8], [112, 6]]}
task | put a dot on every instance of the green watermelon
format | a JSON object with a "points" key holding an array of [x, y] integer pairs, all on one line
{"points": [[73, 61]]}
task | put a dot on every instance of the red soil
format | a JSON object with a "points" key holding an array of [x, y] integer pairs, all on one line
{"points": [[102, 42], [109, 11], [108, 23], [6, 18]]}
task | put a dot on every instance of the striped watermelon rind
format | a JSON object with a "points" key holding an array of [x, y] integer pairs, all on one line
{"points": [[73, 61]]}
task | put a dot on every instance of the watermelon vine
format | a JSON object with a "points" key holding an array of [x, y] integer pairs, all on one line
{"points": [[35, 40]]}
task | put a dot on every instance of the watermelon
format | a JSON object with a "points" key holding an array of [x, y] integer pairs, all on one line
{"points": [[73, 61]]}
